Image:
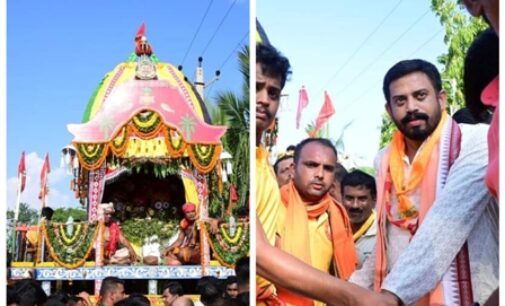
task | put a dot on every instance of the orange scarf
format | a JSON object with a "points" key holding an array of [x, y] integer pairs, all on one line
{"points": [[296, 230], [406, 210], [267, 296], [423, 173]]}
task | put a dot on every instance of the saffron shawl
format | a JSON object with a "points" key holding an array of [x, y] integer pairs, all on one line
{"points": [[449, 291]]}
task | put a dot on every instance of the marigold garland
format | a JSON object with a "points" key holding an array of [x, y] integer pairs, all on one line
{"points": [[69, 256], [202, 163], [75, 235], [228, 251], [119, 144], [204, 157], [175, 148]]}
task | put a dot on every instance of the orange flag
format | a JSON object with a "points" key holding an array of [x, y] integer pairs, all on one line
{"points": [[324, 114], [44, 173]]}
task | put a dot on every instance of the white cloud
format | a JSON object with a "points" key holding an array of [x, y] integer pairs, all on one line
{"points": [[58, 195]]}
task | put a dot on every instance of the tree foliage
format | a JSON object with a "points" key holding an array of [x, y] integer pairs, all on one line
{"points": [[27, 215], [460, 30], [233, 111], [62, 214]]}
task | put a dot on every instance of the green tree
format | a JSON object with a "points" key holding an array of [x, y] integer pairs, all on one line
{"points": [[27, 215], [233, 111], [62, 214], [460, 31]]}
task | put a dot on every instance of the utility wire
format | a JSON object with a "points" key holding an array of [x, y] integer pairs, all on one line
{"points": [[373, 62], [234, 49], [209, 90], [361, 45], [352, 103], [219, 26], [426, 42], [197, 31]]}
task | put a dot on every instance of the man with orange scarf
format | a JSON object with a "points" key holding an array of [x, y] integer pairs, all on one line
{"points": [[432, 168], [113, 237], [272, 264], [313, 226]]}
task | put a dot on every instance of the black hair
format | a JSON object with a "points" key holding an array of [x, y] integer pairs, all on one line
{"points": [[359, 178], [272, 62], [109, 284], [209, 288], [129, 301], [57, 298], [322, 141], [464, 115], [242, 270], [12, 296], [139, 299], [47, 212], [481, 67], [73, 300], [30, 292], [406, 67], [230, 280], [174, 288]]}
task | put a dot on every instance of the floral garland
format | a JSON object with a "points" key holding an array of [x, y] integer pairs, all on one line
{"points": [[91, 156], [148, 124], [66, 254], [204, 157], [75, 235], [226, 248]]}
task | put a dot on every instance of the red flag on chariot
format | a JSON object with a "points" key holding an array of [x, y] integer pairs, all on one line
{"points": [[324, 114]]}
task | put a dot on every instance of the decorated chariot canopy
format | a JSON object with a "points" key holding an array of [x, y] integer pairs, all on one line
{"points": [[146, 110]]}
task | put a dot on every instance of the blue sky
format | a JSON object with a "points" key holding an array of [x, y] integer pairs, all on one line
{"points": [[58, 52], [325, 46]]}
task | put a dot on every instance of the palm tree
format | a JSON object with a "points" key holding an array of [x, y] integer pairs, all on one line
{"points": [[233, 111]]}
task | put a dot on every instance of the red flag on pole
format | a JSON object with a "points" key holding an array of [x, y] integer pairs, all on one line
{"points": [[22, 172], [233, 199], [324, 114], [46, 168], [303, 101]]}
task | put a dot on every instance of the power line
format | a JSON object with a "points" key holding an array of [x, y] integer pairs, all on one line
{"points": [[219, 26], [228, 58], [234, 49], [361, 45], [197, 31], [367, 67], [353, 102], [426, 42], [364, 93]]}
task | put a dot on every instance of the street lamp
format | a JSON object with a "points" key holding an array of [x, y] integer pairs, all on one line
{"points": [[70, 161], [226, 166]]}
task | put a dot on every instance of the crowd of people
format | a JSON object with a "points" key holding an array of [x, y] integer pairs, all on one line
{"points": [[424, 231], [233, 291]]}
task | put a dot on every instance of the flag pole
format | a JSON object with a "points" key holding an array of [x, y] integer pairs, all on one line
{"points": [[44, 181], [16, 213]]}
